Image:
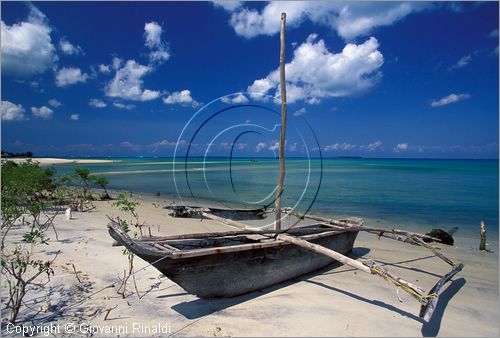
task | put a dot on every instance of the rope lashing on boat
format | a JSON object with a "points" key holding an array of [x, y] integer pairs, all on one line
{"points": [[423, 299]]}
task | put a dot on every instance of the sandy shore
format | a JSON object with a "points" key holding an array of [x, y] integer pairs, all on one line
{"points": [[50, 160], [332, 302]]}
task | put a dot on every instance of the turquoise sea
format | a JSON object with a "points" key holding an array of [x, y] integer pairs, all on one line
{"points": [[403, 193]]}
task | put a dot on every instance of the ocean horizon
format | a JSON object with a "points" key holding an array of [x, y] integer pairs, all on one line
{"points": [[405, 193], [265, 157]]}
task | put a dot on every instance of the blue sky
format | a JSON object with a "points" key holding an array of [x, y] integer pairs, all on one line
{"points": [[372, 79]]}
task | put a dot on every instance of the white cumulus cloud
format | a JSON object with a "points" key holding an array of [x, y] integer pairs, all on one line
{"points": [[70, 75], [274, 147], [183, 97], [27, 47], [349, 19], [373, 146], [104, 68], [42, 112], [260, 146], [158, 49], [75, 117], [452, 98], [127, 82], [239, 98], [116, 63], [300, 112], [96, 103], [69, 49], [152, 34], [11, 111], [462, 62], [166, 144], [339, 146], [401, 147], [120, 105], [315, 73], [54, 103], [228, 5]]}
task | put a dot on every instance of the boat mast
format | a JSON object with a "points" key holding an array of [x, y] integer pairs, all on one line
{"points": [[279, 191]]}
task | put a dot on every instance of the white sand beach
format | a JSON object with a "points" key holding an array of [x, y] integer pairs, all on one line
{"points": [[332, 302], [51, 160]]}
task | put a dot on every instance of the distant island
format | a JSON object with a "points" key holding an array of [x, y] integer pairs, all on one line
{"points": [[8, 154]]}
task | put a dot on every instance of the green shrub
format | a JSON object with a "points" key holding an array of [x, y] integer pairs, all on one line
{"points": [[28, 190]]}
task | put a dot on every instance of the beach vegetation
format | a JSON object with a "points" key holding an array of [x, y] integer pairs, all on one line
{"points": [[130, 207], [70, 196], [102, 181], [82, 175], [81, 198], [29, 204]]}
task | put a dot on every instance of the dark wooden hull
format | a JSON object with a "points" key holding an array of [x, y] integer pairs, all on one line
{"points": [[229, 274]]}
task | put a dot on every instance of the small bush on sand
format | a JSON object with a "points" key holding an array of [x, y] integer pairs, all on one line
{"points": [[130, 207], [29, 206]]}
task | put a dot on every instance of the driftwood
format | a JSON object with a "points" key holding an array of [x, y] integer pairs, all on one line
{"points": [[108, 311], [482, 244], [76, 273]]}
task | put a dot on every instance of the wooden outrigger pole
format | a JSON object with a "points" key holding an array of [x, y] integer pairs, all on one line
{"points": [[428, 300], [279, 190]]}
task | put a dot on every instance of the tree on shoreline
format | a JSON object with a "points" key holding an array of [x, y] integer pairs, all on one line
{"points": [[102, 181], [84, 178]]}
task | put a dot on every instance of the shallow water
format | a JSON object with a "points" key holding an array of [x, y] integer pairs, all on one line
{"points": [[399, 193]]}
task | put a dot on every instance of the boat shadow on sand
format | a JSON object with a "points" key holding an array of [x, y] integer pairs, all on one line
{"points": [[199, 308], [203, 307]]}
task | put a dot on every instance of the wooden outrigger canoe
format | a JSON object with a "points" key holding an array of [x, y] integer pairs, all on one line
{"points": [[228, 264]]}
